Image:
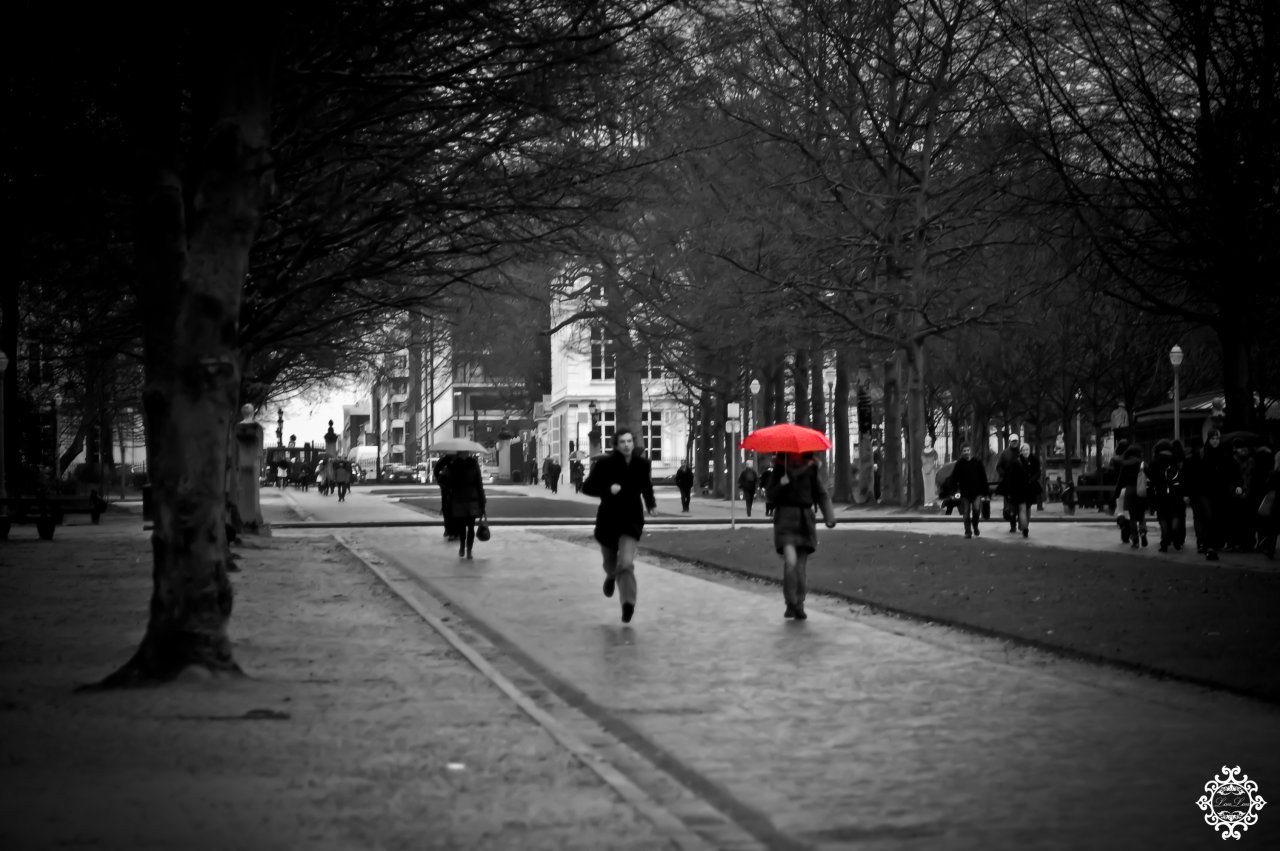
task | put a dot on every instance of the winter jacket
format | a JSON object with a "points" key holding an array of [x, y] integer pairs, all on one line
{"points": [[969, 479], [466, 488], [1021, 481], [803, 489], [1165, 475], [621, 513], [684, 479], [748, 479]]}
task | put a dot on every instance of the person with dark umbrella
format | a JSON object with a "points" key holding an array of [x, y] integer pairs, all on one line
{"points": [[622, 480], [466, 500]]}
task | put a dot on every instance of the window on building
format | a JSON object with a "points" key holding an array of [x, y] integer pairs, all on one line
{"points": [[651, 422], [602, 356], [653, 365]]}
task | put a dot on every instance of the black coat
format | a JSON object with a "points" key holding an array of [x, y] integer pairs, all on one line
{"points": [[684, 479], [1022, 479], [621, 513], [466, 489], [969, 479]]}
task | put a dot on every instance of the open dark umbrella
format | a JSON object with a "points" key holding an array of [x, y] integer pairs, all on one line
{"points": [[785, 437], [1248, 438]]}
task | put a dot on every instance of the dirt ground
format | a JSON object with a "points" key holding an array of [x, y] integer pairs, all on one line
{"points": [[357, 726]]}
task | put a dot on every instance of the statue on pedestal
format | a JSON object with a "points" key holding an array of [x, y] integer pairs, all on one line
{"points": [[929, 469], [248, 469]]}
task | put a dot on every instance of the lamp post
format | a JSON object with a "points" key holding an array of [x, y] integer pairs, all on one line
{"points": [[594, 434], [1175, 358], [279, 428], [754, 387], [4, 365], [57, 403]]}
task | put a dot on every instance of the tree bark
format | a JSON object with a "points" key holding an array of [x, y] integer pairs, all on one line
{"points": [[194, 263], [1237, 383], [842, 484], [818, 393], [800, 375], [891, 454], [866, 458], [913, 362]]}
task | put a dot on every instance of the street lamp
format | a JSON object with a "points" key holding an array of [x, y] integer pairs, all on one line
{"points": [[594, 436], [754, 387], [57, 403], [279, 427], [1175, 358], [4, 365]]}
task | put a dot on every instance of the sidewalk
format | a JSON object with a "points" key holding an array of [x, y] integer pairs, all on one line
{"points": [[358, 726]]}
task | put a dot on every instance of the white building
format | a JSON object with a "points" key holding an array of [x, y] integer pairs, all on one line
{"points": [[582, 386]]}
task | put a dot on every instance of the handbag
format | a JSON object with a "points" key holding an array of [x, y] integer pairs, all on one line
{"points": [[1140, 489], [482, 529], [1267, 505]]}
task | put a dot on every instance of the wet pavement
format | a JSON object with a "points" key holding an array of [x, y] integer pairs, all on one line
{"points": [[846, 731]]}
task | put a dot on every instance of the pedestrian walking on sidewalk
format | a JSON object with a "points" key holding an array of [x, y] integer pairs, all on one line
{"points": [[1022, 486], [1134, 503], [622, 480], [969, 481], [748, 481], [766, 479], [1168, 493], [467, 501], [1212, 493], [1006, 460], [684, 483], [443, 479], [794, 489]]}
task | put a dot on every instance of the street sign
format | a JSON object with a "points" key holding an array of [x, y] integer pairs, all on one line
{"points": [[732, 426], [735, 410]]}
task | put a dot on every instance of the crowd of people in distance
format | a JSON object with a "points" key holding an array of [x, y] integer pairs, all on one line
{"points": [[1231, 491]]}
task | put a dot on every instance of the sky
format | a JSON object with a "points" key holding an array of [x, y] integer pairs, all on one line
{"points": [[307, 414]]}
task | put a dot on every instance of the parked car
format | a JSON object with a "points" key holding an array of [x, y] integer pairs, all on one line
{"points": [[393, 474], [422, 472]]}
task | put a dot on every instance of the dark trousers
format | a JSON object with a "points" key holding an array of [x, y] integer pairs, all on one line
{"points": [[465, 527], [684, 498], [970, 511], [1171, 512], [749, 495]]}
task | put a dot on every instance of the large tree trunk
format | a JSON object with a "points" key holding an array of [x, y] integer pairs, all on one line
{"points": [[842, 480], [193, 269], [800, 375], [1237, 386], [913, 363], [628, 383], [866, 457], [818, 393], [702, 471], [891, 456]]}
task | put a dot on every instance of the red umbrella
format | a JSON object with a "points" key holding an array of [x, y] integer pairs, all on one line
{"points": [[785, 437]]}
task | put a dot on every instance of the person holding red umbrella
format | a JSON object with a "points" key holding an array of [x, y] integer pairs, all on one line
{"points": [[796, 488]]}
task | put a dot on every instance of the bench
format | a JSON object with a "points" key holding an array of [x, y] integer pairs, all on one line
{"points": [[1098, 496], [47, 512]]}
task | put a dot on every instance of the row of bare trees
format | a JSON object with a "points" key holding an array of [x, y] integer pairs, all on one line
{"points": [[969, 206]]}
